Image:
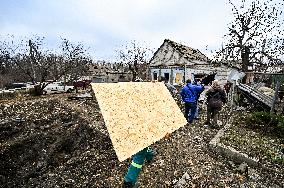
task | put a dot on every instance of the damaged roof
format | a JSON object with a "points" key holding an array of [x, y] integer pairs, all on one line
{"points": [[190, 54]]}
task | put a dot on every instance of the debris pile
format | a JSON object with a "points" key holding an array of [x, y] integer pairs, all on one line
{"points": [[50, 146], [55, 142], [267, 91]]}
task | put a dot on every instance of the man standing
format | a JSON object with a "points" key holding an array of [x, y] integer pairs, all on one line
{"points": [[135, 167], [189, 97], [147, 154], [197, 81], [138, 159]]}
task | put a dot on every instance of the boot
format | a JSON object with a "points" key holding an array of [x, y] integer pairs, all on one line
{"points": [[127, 185]]}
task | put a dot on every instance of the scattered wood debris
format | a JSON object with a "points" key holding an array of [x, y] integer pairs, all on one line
{"points": [[65, 143]]}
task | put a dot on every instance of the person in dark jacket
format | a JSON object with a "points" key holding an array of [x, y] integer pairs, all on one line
{"points": [[189, 96], [227, 87], [216, 97]]}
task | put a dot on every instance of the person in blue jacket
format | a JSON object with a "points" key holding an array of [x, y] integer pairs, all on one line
{"points": [[189, 95]]}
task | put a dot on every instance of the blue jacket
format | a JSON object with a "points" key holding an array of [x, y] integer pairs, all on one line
{"points": [[189, 93]]}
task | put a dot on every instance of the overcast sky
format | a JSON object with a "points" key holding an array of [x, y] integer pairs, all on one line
{"points": [[104, 25]]}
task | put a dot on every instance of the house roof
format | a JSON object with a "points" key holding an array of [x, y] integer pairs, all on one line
{"points": [[189, 53]]}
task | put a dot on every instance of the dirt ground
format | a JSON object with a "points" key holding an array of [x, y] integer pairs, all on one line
{"points": [[51, 141]]}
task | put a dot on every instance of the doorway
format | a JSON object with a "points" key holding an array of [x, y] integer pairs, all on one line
{"points": [[167, 76]]}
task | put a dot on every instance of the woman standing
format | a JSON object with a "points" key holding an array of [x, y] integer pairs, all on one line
{"points": [[216, 97]]}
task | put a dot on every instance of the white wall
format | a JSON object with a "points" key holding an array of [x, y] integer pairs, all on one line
{"points": [[169, 57], [178, 74], [222, 73]]}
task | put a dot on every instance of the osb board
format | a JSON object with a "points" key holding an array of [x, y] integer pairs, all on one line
{"points": [[137, 114]]}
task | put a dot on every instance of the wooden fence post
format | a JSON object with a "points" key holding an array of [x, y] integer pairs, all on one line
{"points": [[275, 97]]}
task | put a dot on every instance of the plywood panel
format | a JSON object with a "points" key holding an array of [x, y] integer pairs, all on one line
{"points": [[178, 78], [137, 114]]}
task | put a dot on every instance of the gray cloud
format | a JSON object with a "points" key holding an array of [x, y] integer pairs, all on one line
{"points": [[106, 24]]}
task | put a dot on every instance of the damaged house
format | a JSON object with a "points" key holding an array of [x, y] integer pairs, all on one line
{"points": [[177, 63], [109, 72]]}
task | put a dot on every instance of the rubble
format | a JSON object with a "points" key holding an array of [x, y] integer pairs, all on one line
{"points": [[266, 91], [84, 96], [64, 143], [242, 168]]}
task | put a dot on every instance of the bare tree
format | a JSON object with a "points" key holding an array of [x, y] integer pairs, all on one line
{"points": [[76, 60], [8, 72], [28, 63], [4, 65], [255, 34], [136, 57], [37, 65]]}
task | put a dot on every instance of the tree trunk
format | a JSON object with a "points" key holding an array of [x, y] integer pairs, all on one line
{"points": [[245, 62], [134, 75]]}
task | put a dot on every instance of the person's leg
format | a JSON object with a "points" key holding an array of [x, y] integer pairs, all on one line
{"points": [[192, 112], [196, 112], [186, 112], [135, 167], [215, 116], [209, 114]]}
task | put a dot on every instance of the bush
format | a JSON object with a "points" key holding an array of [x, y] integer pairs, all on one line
{"points": [[262, 119], [267, 122], [4, 96], [13, 95], [36, 91]]}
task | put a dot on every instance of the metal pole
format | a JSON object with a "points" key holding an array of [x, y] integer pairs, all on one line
{"points": [[184, 73], [232, 94]]}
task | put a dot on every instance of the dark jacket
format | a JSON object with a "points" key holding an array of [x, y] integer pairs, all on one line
{"points": [[189, 92], [216, 97]]}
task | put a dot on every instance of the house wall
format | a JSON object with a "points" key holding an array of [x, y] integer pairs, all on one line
{"points": [[168, 60], [115, 77], [112, 77], [98, 79], [222, 75], [222, 72], [177, 73]]}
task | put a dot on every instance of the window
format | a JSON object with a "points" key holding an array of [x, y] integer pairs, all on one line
{"points": [[121, 76], [179, 78]]}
